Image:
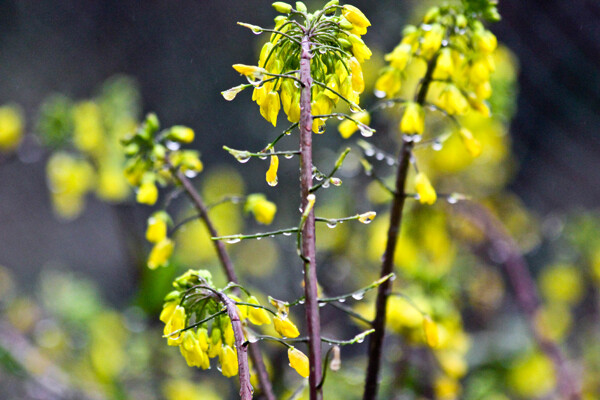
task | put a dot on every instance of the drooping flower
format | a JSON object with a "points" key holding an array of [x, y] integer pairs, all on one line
{"points": [[299, 361], [424, 189]]}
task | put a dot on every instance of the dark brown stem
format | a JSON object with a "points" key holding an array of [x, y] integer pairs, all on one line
{"points": [[238, 333], [515, 266], [313, 322], [387, 266], [254, 350]]}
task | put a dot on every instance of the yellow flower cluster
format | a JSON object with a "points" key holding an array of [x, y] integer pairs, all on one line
{"points": [[154, 154], [337, 53], [191, 299], [263, 209], [460, 49], [91, 130]]}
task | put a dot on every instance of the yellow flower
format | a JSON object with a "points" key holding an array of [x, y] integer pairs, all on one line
{"points": [[282, 7], [471, 144], [181, 134], [562, 283], [445, 65], [424, 189], [399, 57], [160, 253], [228, 334], [299, 361], [271, 175], [269, 108], [191, 351], [348, 127], [452, 100], [251, 71], [147, 193], [175, 323], [228, 360], [355, 16], [358, 83], [359, 48], [431, 332], [285, 327], [432, 40], [483, 90], [11, 127], [388, 83], [446, 388], [157, 227], [215, 346], [167, 311], [202, 335], [321, 106], [258, 316], [263, 209], [485, 41], [413, 120]]}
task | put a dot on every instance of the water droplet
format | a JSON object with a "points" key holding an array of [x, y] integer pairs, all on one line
{"points": [[452, 199], [392, 278], [408, 138], [256, 31], [340, 117], [318, 177], [287, 233], [274, 182], [190, 174], [342, 300], [380, 94], [288, 156], [258, 238], [444, 43], [301, 301], [417, 138], [379, 156], [271, 236], [361, 339], [322, 51], [369, 152], [173, 146], [233, 240], [243, 160], [263, 157], [325, 185], [320, 304], [331, 224], [358, 296], [437, 145], [365, 130], [321, 129], [297, 84], [390, 161]]}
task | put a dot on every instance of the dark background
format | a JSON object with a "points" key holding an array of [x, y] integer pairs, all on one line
{"points": [[181, 54]]}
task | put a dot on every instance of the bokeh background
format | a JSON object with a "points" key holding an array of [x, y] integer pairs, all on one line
{"points": [[180, 56]]}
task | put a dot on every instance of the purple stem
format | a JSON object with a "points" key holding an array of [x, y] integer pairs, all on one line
{"points": [[313, 322]]}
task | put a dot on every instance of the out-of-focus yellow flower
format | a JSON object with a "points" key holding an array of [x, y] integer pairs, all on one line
{"points": [[485, 41], [424, 189], [285, 327], [432, 40], [453, 363], [554, 320], [263, 209], [157, 227], [11, 127], [181, 134], [445, 65], [88, 132], [532, 376], [413, 120], [452, 101], [401, 314], [446, 388], [181, 389], [359, 48], [562, 283], [160, 253], [111, 184], [147, 192], [271, 175], [471, 144], [258, 316], [388, 83], [400, 56], [69, 179], [431, 332], [215, 345], [228, 360], [348, 127], [299, 361], [174, 324]]}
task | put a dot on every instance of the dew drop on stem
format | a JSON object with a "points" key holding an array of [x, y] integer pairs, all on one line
{"points": [[233, 240], [331, 224], [288, 156], [358, 296]]}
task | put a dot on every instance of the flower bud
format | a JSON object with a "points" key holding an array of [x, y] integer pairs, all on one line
{"points": [[413, 120], [282, 7], [157, 227], [285, 327], [424, 189], [299, 361], [271, 175]]}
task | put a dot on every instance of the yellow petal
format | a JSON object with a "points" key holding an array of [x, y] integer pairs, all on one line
{"points": [[424, 189], [299, 361], [271, 175]]}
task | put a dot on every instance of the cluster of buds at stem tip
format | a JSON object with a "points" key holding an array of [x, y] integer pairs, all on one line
{"points": [[194, 300], [337, 52], [152, 153]]}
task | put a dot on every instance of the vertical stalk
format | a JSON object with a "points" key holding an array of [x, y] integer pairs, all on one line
{"points": [[387, 266], [524, 287], [253, 348], [308, 232]]}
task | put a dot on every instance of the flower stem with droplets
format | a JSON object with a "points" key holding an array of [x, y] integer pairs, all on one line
{"points": [[387, 266], [226, 263]]}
